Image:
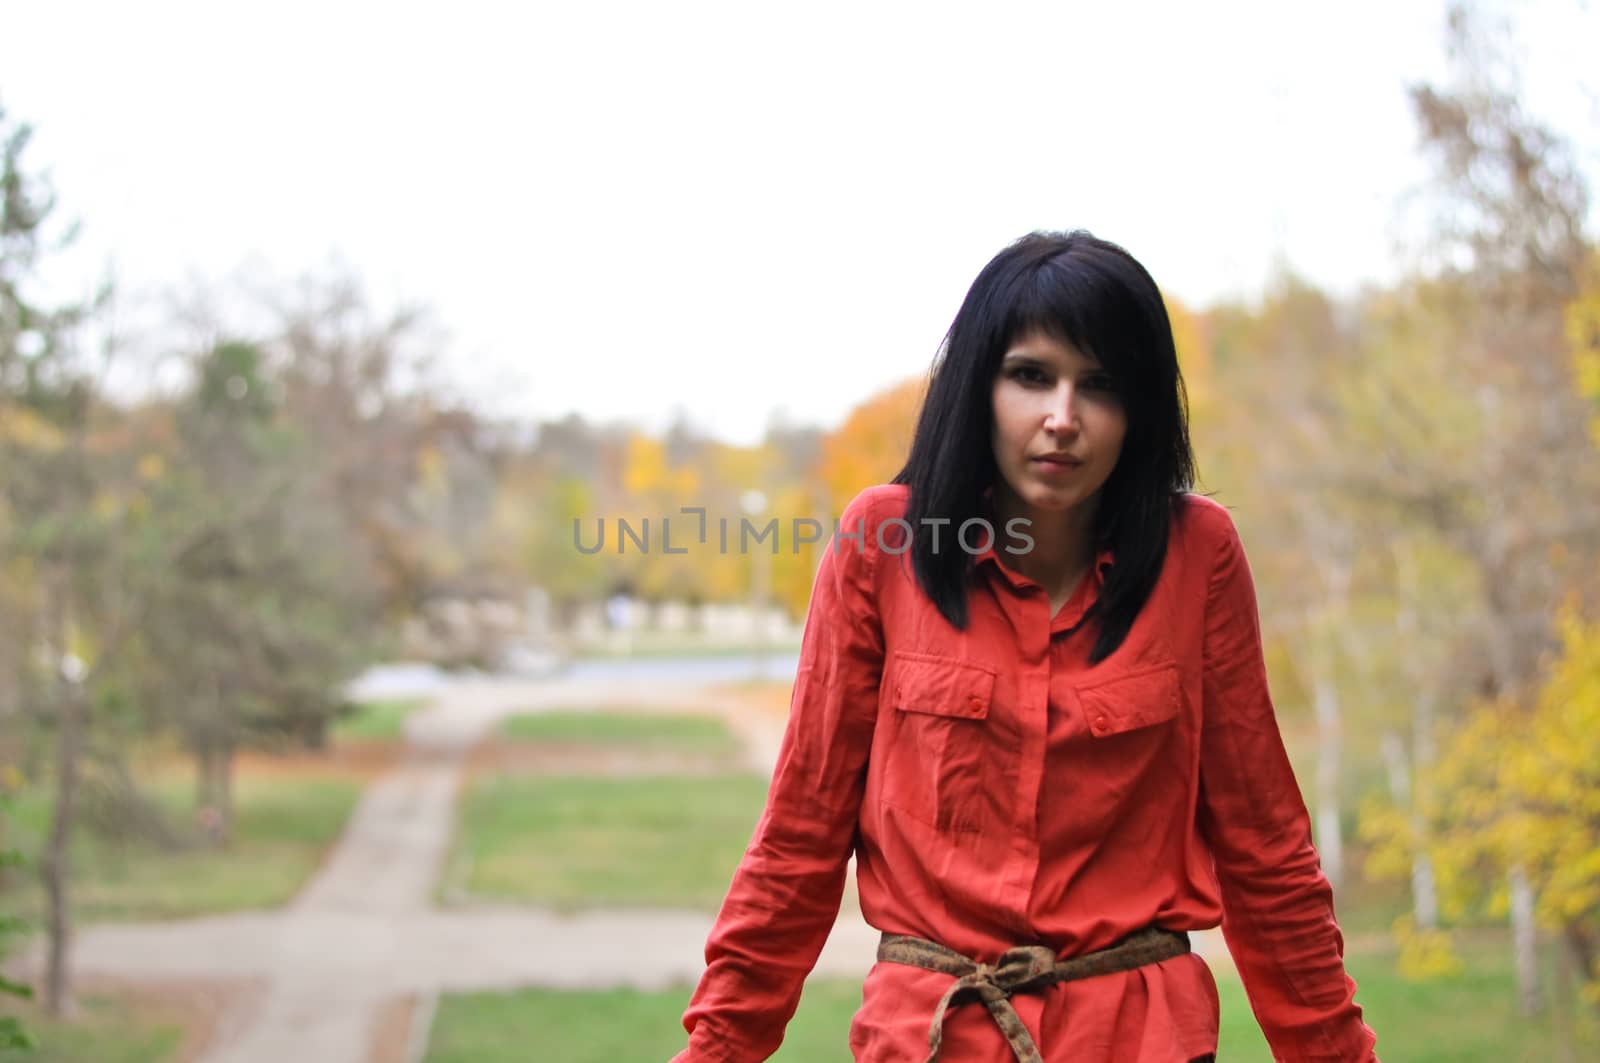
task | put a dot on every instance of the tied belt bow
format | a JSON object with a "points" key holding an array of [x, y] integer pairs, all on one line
{"points": [[1019, 970]]}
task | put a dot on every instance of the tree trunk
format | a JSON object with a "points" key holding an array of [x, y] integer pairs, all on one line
{"points": [[1330, 835], [214, 742], [1584, 952], [314, 732], [1563, 1018], [1524, 934], [1424, 888], [222, 765], [55, 868], [207, 799], [1424, 892], [1336, 574], [1525, 941], [34, 748], [1329, 547]]}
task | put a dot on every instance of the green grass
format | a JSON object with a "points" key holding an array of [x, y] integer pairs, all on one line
{"points": [[283, 825], [105, 1031], [621, 729], [375, 721], [1365, 907], [1467, 1018], [617, 1026], [572, 841]]}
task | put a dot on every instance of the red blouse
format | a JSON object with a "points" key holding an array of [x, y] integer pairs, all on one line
{"points": [[997, 790]]}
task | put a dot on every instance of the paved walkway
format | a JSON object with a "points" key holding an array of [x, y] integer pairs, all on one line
{"points": [[365, 930]]}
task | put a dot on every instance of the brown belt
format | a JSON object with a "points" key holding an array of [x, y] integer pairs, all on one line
{"points": [[1020, 970]]}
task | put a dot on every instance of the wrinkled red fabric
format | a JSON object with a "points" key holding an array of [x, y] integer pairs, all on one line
{"points": [[997, 790]]}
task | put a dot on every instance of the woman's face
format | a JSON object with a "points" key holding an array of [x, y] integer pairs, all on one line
{"points": [[1058, 424]]}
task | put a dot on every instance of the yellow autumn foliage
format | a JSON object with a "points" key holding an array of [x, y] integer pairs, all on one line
{"points": [[28, 430], [1513, 787], [1424, 952], [1189, 333], [649, 476], [1583, 335], [873, 442]]}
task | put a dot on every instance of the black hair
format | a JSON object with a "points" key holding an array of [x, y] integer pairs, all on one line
{"points": [[1077, 289]]}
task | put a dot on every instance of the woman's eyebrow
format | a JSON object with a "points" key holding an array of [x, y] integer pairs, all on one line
{"points": [[1026, 358]]}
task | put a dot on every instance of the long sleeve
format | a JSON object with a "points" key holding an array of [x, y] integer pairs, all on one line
{"points": [[785, 895], [1278, 915]]}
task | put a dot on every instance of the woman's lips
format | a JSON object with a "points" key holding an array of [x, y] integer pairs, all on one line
{"points": [[1054, 466]]}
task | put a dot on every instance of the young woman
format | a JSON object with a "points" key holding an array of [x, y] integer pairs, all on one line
{"points": [[1032, 702]]}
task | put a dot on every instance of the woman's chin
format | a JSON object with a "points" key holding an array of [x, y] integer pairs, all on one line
{"points": [[1044, 498], [1053, 500]]}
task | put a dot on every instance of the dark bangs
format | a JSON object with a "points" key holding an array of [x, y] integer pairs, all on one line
{"points": [[1091, 302]]}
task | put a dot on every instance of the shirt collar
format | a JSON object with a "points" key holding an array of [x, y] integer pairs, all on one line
{"points": [[1103, 561]]}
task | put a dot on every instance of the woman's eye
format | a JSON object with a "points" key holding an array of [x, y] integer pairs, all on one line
{"points": [[1099, 383], [1027, 374]]}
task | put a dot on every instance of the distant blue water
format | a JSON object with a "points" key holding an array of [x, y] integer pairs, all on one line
{"points": [[725, 669], [413, 680]]}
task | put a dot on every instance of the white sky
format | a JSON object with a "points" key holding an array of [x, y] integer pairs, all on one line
{"points": [[636, 209]]}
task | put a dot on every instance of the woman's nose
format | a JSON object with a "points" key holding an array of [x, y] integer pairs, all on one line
{"points": [[1060, 417]]}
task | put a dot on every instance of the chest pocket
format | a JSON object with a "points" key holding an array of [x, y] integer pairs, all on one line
{"points": [[1115, 705], [936, 709]]}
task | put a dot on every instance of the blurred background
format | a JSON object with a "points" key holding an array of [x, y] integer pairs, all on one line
{"points": [[379, 386]]}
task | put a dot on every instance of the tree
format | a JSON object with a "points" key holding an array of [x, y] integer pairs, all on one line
{"points": [[1282, 363], [52, 541], [1583, 335], [350, 378], [12, 1033], [1520, 788], [871, 445], [248, 631], [1493, 454]]}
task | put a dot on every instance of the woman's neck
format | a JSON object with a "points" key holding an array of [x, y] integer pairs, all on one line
{"points": [[1063, 541]]}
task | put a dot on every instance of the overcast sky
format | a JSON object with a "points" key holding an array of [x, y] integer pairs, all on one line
{"points": [[633, 210]]}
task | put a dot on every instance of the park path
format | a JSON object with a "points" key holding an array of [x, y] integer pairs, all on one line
{"points": [[364, 931]]}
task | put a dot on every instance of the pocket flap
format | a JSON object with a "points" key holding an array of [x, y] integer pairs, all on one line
{"points": [[1118, 703], [941, 686]]}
